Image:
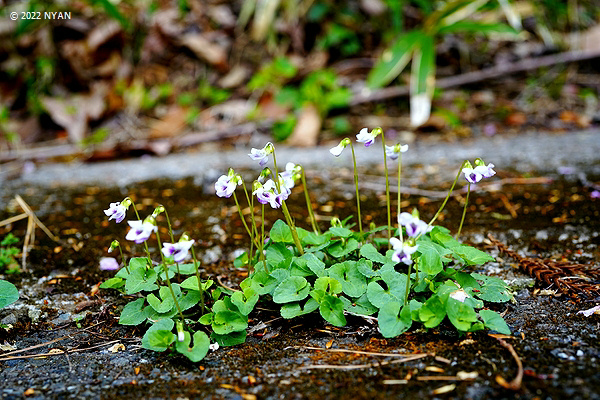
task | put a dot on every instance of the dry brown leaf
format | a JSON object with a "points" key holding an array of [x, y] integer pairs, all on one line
{"points": [[307, 128], [74, 113], [204, 49], [171, 124]]}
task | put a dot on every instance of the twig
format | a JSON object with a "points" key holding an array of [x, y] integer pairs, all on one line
{"points": [[515, 384], [497, 71], [361, 366], [13, 219], [368, 353], [57, 354]]}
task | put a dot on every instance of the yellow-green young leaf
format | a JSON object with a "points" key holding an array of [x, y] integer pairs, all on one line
{"points": [[199, 349], [328, 284], [159, 336], [492, 289], [494, 321], [432, 313], [245, 301], [167, 300], [471, 255], [393, 60], [422, 80], [113, 283], [457, 10], [392, 320], [225, 322]]}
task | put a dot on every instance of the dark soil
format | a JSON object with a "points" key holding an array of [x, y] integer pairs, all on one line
{"points": [[559, 348]]}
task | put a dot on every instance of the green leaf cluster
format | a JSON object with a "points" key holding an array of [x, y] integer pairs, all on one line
{"points": [[8, 263], [342, 273]]}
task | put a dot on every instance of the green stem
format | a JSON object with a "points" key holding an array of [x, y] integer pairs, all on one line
{"points": [[400, 200], [145, 242], [242, 216], [250, 201], [123, 260], [199, 281], [356, 187], [172, 240], [285, 210], [407, 285], [446, 199], [464, 210], [262, 239], [313, 220], [387, 190], [166, 269]]}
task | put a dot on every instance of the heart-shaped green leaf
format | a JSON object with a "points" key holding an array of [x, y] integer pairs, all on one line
{"points": [[354, 284], [361, 306], [245, 301], [132, 313], [167, 302], [394, 319], [332, 310], [460, 314], [159, 336], [292, 310], [294, 288], [140, 279], [395, 288], [494, 321], [432, 313], [199, 349], [230, 339], [280, 232], [369, 251]]}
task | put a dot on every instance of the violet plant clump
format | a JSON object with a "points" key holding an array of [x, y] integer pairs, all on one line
{"points": [[416, 275]]}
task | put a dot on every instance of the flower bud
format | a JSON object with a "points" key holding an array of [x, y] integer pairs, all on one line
{"points": [[113, 245]]}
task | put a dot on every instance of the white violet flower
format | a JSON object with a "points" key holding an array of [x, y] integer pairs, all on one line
{"points": [[262, 155], [140, 231], [116, 211], [393, 151], [402, 251], [414, 226], [366, 137], [179, 251]]}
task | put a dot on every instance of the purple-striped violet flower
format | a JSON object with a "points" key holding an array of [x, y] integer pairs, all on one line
{"points": [[474, 175], [262, 155], [179, 251], [337, 150], [394, 151], [141, 231], [414, 226], [366, 137], [402, 251], [117, 211], [226, 184], [268, 194]]}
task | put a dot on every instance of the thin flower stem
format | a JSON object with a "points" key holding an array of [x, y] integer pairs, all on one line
{"points": [[445, 200], [464, 210], [399, 203], [172, 240], [242, 216], [262, 239], [313, 220], [387, 190], [145, 242], [250, 201], [199, 280], [407, 285], [285, 210], [166, 269], [123, 259], [356, 187]]}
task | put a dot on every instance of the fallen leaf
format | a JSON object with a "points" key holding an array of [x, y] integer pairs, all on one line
{"points": [[306, 131], [329, 344], [171, 124], [204, 49], [516, 119]]}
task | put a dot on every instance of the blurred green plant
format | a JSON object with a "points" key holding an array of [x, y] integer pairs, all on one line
{"points": [[8, 263], [419, 45]]}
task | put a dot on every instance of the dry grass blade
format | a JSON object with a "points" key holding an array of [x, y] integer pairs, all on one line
{"points": [[368, 353], [362, 366], [57, 353]]}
